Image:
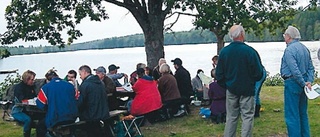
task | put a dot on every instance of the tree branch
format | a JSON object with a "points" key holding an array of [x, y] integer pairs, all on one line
{"points": [[171, 24], [118, 3], [181, 13]]}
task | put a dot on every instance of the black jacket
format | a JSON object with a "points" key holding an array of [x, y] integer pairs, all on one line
{"points": [[93, 100], [184, 82]]}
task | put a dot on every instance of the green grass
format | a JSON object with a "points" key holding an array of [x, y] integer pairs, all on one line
{"points": [[270, 124]]}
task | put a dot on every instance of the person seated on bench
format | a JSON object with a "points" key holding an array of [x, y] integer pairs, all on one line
{"points": [[169, 91], [93, 104], [24, 91], [147, 101], [58, 98], [218, 105]]}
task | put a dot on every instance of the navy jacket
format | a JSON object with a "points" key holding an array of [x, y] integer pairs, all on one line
{"points": [[93, 100]]}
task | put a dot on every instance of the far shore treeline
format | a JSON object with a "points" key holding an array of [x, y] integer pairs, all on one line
{"points": [[308, 23]]}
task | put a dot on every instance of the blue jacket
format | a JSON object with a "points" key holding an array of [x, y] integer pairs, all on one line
{"points": [[58, 98], [296, 63]]}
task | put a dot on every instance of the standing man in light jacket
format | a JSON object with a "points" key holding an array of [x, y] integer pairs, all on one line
{"points": [[239, 68], [298, 72]]}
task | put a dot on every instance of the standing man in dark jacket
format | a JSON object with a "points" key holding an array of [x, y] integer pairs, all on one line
{"points": [[184, 82], [239, 68], [93, 103]]}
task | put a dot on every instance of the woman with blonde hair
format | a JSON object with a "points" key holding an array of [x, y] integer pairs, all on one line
{"points": [[22, 92]]}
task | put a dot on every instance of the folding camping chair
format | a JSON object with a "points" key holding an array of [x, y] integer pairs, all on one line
{"points": [[133, 124], [5, 105]]}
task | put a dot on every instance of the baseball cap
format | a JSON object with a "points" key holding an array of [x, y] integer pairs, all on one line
{"points": [[113, 67], [100, 69], [177, 61]]}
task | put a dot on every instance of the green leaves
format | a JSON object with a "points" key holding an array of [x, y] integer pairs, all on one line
{"points": [[255, 15], [31, 20], [4, 53]]}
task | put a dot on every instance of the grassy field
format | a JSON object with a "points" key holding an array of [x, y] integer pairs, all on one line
{"points": [[270, 123]]}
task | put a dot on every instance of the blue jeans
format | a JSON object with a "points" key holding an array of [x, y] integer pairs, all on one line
{"points": [[25, 119], [295, 109], [258, 87]]}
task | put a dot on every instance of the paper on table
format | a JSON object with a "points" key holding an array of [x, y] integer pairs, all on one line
{"points": [[127, 87], [314, 92]]}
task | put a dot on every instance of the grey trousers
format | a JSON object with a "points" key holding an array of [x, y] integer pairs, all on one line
{"points": [[239, 105]]}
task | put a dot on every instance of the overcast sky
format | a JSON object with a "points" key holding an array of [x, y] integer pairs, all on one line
{"points": [[120, 23]]}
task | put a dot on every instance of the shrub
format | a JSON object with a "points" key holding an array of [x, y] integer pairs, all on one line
{"points": [[275, 80], [7, 82]]}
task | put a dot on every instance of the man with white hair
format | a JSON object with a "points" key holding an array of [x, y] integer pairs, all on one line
{"points": [[156, 73], [239, 68], [298, 72]]}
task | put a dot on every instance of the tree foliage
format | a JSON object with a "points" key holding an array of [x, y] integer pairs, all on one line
{"points": [[254, 15], [31, 20], [46, 19]]}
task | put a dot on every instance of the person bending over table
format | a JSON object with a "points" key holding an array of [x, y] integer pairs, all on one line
{"points": [[93, 104], [58, 98], [24, 91]]}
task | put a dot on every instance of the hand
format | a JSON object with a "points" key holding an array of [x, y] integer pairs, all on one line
{"points": [[308, 84]]}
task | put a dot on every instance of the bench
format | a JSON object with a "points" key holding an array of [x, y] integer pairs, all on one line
{"points": [[66, 129]]}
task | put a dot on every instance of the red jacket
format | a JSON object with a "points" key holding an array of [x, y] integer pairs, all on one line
{"points": [[147, 96]]}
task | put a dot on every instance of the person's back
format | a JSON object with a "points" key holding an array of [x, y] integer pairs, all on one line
{"points": [[240, 70], [169, 91], [184, 82], [168, 87], [218, 105], [147, 97], [93, 103], [93, 100], [239, 67], [58, 97]]}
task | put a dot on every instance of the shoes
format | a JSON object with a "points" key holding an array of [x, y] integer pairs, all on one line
{"points": [[179, 113]]}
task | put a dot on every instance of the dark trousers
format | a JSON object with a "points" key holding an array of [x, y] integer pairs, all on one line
{"points": [[97, 129]]}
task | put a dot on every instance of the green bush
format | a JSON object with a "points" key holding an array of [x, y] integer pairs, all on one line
{"points": [[275, 80], [7, 82]]}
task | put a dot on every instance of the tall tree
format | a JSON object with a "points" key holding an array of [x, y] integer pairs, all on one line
{"points": [[45, 19], [254, 15]]}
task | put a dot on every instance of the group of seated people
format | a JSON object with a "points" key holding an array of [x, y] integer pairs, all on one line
{"points": [[159, 95], [63, 101]]}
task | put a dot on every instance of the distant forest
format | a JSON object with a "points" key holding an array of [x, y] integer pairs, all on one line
{"points": [[308, 23]]}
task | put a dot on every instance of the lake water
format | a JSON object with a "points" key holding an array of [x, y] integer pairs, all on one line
{"points": [[193, 56]]}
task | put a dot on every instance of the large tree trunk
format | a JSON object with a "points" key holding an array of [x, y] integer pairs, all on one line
{"points": [[150, 16], [154, 45], [220, 44]]}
